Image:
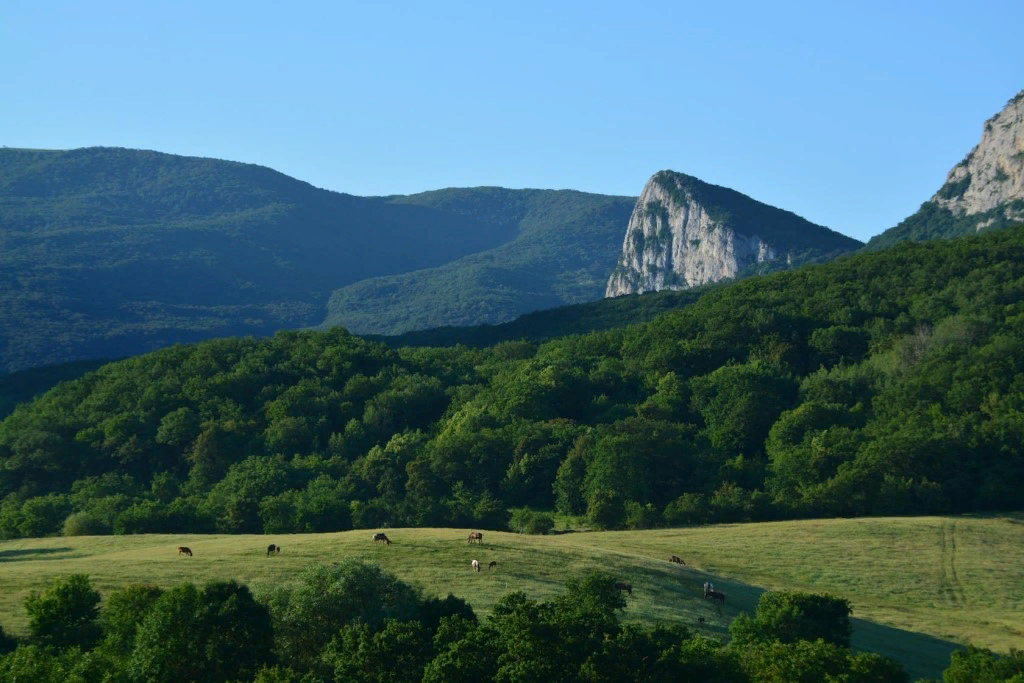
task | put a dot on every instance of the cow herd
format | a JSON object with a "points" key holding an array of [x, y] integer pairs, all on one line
{"points": [[477, 537]]}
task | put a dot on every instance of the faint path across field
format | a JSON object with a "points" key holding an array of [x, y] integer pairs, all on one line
{"points": [[949, 581]]}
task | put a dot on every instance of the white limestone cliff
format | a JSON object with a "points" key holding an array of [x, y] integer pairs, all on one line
{"points": [[672, 242], [992, 174]]}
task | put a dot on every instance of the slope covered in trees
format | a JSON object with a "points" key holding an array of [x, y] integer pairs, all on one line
{"points": [[883, 383], [110, 252], [566, 244], [353, 622]]}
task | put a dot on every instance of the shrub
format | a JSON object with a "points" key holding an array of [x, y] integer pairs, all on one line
{"points": [[84, 524], [640, 516], [527, 521], [540, 523]]}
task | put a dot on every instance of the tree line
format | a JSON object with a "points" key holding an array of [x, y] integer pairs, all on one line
{"points": [[883, 383], [352, 622]]}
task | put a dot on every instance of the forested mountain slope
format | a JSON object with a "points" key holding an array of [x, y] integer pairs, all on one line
{"points": [[566, 244], [881, 383], [108, 252]]}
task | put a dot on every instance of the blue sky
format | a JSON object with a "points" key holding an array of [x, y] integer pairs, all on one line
{"points": [[848, 113]]}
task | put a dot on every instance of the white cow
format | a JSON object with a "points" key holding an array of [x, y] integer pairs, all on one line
{"points": [[476, 565]]}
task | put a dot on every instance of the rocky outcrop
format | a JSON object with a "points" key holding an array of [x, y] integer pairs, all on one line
{"points": [[984, 191], [684, 232], [992, 174]]}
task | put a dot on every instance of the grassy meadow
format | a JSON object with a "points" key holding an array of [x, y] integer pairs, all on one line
{"points": [[919, 586]]}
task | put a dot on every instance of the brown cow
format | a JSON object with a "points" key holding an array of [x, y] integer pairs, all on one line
{"points": [[677, 560], [182, 550], [273, 549], [475, 536], [381, 537], [492, 565], [628, 587]]}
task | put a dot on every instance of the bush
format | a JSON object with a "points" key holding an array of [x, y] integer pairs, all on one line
{"points": [[527, 521], [687, 509], [540, 523], [788, 617], [605, 510], [639, 516], [85, 524]]}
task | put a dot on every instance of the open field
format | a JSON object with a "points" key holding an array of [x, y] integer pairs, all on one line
{"points": [[918, 585]]}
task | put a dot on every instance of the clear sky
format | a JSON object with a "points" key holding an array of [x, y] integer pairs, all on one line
{"points": [[849, 113]]}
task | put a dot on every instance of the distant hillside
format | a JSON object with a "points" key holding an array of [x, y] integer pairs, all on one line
{"points": [[684, 232], [109, 252], [985, 191], [566, 245]]}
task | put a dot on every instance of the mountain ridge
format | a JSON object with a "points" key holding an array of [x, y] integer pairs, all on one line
{"points": [[108, 252], [984, 191], [684, 232]]}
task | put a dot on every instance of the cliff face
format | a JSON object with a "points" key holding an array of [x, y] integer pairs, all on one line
{"points": [[992, 174], [684, 233], [985, 190]]}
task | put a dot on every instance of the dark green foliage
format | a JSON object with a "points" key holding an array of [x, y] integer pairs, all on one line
{"points": [[790, 617], [527, 521], [45, 665], [977, 665], [397, 652], [64, 615], [933, 221], [122, 614], [325, 599], [883, 383], [7, 643], [210, 636], [434, 611], [23, 386], [804, 661], [955, 189]]}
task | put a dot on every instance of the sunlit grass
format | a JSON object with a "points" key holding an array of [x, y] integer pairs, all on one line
{"points": [[917, 585]]}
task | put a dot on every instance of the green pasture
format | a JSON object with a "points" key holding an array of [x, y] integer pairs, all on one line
{"points": [[919, 586]]}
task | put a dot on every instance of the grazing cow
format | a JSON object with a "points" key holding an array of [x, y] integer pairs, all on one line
{"points": [[677, 560], [492, 565], [476, 566], [272, 548], [182, 550], [475, 536], [715, 596], [381, 537], [628, 587]]}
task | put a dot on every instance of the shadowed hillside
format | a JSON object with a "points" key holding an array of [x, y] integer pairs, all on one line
{"points": [[108, 252], [566, 244]]}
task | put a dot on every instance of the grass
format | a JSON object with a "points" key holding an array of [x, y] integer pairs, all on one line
{"points": [[919, 586]]}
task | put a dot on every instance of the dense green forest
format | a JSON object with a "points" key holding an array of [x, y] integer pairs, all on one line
{"points": [[352, 622], [882, 383], [108, 252]]}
